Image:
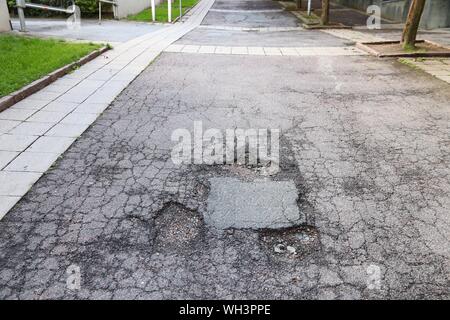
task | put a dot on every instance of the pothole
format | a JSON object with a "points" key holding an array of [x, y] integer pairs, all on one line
{"points": [[240, 196], [264, 166], [177, 227], [293, 242], [262, 169]]}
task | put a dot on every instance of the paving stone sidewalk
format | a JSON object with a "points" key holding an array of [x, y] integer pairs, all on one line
{"points": [[437, 67]]}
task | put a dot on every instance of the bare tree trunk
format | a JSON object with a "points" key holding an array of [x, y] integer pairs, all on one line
{"points": [[412, 24], [325, 19], [299, 4]]}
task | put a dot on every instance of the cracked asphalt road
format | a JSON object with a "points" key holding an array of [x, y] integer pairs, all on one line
{"points": [[366, 142]]}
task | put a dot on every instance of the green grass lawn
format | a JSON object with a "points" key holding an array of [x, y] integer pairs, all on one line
{"points": [[25, 59], [161, 14]]}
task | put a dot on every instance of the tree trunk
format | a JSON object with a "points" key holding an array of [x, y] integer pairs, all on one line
{"points": [[412, 24], [299, 4], [325, 19]]}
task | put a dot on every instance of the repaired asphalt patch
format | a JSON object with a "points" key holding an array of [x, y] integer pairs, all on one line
{"points": [[252, 205]]}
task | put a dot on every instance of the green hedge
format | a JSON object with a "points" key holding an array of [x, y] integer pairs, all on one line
{"points": [[88, 7]]}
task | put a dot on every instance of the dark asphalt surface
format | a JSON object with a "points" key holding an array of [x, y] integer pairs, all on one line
{"points": [[365, 141]]}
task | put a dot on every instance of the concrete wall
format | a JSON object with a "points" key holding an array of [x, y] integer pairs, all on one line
{"points": [[127, 7], [4, 17], [436, 13], [395, 10]]}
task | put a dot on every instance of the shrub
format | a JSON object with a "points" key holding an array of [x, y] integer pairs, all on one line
{"points": [[88, 7]]}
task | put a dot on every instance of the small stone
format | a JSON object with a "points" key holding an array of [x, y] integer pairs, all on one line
{"points": [[279, 248], [291, 250]]}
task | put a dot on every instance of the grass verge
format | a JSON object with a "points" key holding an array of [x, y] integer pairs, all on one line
{"points": [[161, 11], [25, 59]]}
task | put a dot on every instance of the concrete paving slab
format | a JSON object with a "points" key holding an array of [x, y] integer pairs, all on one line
{"points": [[288, 51], [6, 203], [107, 92], [95, 108], [6, 157], [444, 78], [19, 143], [272, 51], [47, 116], [256, 51], [16, 183], [31, 128], [58, 88], [59, 106], [7, 125], [175, 48], [16, 114], [47, 144], [190, 48], [239, 50], [207, 49], [67, 130], [223, 50], [30, 103], [32, 162]]}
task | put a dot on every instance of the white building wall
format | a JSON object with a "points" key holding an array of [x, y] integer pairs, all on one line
{"points": [[4, 17], [127, 7]]}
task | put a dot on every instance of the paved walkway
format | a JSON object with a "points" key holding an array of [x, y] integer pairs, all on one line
{"points": [[38, 129], [364, 166], [109, 31], [437, 67]]}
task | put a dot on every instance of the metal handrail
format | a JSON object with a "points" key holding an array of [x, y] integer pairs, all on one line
{"points": [[49, 8], [114, 4], [22, 4]]}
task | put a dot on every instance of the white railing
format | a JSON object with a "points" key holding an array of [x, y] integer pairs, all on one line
{"points": [[22, 5], [114, 5]]}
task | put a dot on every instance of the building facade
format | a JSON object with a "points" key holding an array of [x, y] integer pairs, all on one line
{"points": [[435, 15], [4, 17]]}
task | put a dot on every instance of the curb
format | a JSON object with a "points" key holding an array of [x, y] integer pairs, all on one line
{"points": [[326, 27], [365, 47], [35, 86]]}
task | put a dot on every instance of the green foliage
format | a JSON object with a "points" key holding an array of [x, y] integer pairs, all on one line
{"points": [[25, 59], [87, 7], [161, 14]]}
